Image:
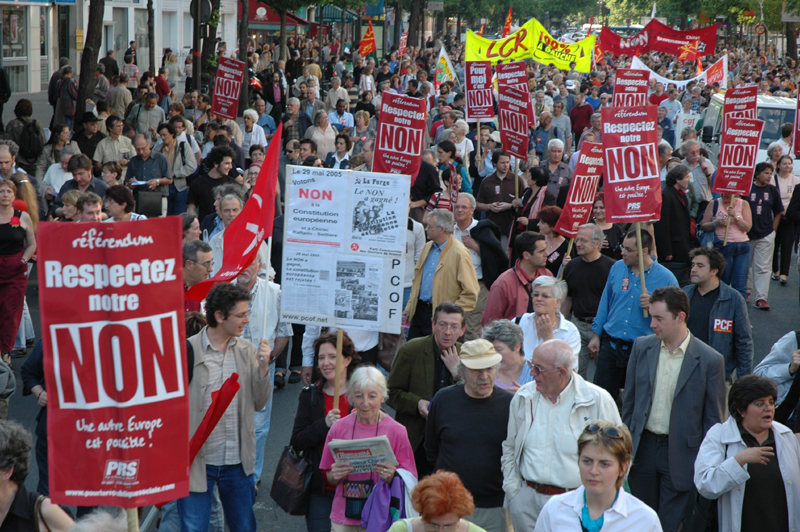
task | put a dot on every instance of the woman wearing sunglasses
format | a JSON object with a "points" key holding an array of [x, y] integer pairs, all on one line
{"points": [[605, 451]]}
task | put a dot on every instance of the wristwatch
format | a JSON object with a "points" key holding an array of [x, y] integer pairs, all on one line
{"points": [[24, 260]]}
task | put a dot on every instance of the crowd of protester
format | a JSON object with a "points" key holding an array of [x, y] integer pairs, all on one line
{"points": [[592, 414]]}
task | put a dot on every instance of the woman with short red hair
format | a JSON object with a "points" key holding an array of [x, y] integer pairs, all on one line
{"points": [[442, 502]]}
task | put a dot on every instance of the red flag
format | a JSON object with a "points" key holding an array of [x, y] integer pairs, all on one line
{"points": [[368, 43], [245, 234], [699, 65], [480, 31], [688, 52], [220, 400], [507, 25]]}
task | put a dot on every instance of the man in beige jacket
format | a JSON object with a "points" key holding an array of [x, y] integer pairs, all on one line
{"points": [[228, 457], [444, 273]]}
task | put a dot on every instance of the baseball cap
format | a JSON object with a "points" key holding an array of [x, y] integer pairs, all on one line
{"points": [[479, 354]]}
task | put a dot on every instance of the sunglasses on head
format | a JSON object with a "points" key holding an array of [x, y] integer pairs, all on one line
{"points": [[611, 432]]}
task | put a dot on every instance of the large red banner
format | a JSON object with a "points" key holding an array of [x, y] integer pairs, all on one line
{"points": [[737, 156], [516, 75], [111, 299], [658, 37], [512, 113], [630, 87], [631, 174], [227, 87], [398, 147], [741, 102], [582, 190], [478, 84]]}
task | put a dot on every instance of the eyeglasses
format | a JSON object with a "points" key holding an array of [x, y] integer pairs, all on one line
{"points": [[240, 316], [451, 327], [431, 527], [207, 265], [536, 295], [539, 369], [769, 405], [611, 432]]}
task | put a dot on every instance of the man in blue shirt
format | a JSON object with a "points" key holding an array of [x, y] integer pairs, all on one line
{"points": [[264, 119], [340, 118], [667, 127], [620, 320]]}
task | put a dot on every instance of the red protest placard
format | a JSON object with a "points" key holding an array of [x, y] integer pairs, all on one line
{"points": [[111, 299], [741, 103], [398, 146], [478, 84], [516, 75], [512, 112], [582, 190], [796, 136], [737, 156], [227, 87], [630, 87], [632, 177]]}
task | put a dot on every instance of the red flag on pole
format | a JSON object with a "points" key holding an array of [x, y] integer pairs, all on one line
{"points": [[245, 234], [220, 400], [699, 65], [480, 31], [368, 43], [507, 25]]}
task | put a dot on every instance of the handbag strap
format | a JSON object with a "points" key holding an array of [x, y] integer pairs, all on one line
{"points": [[38, 517]]}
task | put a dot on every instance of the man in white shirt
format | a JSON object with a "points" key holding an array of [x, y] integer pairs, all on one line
{"points": [[672, 105]]}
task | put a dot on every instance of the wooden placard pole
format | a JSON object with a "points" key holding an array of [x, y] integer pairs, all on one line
{"points": [[133, 520], [516, 179], [641, 261], [569, 252], [336, 382], [479, 160], [728, 223]]}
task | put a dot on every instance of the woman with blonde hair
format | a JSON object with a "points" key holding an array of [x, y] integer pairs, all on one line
{"points": [[605, 451]]}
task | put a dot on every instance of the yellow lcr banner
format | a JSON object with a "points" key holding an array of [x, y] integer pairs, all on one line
{"points": [[531, 41]]}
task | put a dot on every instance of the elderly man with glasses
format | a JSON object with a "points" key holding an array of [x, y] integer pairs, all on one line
{"points": [[197, 265], [540, 454]]}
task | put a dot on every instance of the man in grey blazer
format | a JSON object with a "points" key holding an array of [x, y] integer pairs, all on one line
{"points": [[674, 393]]}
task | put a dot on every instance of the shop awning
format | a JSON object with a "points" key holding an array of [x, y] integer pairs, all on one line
{"points": [[332, 13], [263, 17]]}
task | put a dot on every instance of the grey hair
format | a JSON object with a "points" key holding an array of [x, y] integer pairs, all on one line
{"points": [[237, 197], [687, 145], [15, 449], [664, 148], [444, 135], [163, 70], [462, 125], [251, 113], [318, 116], [192, 248], [70, 149], [443, 219], [363, 378], [564, 356], [557, 143], [772, 147], [100, 67], [429, 152], [597, 233], [559, 287], [472, 202], [597, 116], [13, 147], [66, 69], [505, 331], [105, 519], [293, 100]]}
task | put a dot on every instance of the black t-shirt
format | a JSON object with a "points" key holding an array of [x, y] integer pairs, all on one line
{"points": [[88, 145], [765, 205], [452, 442], [585, 284], [201, 193], [555, 258], [614, 236], [699, 312]]}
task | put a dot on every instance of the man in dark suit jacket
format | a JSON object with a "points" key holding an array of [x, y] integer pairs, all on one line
{"points": [[673, 230], [421, 368], [674, 393]]}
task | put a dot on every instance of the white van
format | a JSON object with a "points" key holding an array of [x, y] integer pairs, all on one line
{"points": [[773, 110]]}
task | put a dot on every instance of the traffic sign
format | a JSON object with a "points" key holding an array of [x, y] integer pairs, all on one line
{"points": [[205, 10], [761, 29]]}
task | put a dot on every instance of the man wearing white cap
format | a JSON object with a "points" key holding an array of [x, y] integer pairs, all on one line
{"points": [[451, 444], [546, 417]]}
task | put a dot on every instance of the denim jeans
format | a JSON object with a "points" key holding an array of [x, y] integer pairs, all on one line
{"points": [[237, 493], [25, 331], [737, 265], [262, 420], [318, 517], [176, 201]]}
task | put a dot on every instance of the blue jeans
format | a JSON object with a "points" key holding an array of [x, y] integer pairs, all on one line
{"points": [[737, 265], [262, 420], [318, 517], [237, 493], [176, 201], [25, 331]]}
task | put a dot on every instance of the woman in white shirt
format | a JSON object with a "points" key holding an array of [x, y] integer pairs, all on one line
{"points": [[463, 145], [605, 451], [252, 133]]}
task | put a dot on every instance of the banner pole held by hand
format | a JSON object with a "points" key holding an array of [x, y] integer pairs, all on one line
{"points": [[641, 261], [336, 382], [728, 223], [133, 520], [479, 160], [569, 252], [516, 178]]}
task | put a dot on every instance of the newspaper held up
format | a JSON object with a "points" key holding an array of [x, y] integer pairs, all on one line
{"points": [[364, 453]]}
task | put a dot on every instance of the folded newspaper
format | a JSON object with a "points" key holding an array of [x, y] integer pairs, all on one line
{"points": [[364, 453]]}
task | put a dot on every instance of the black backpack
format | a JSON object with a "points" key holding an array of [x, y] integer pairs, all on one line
{"points": [[31, 143]]}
